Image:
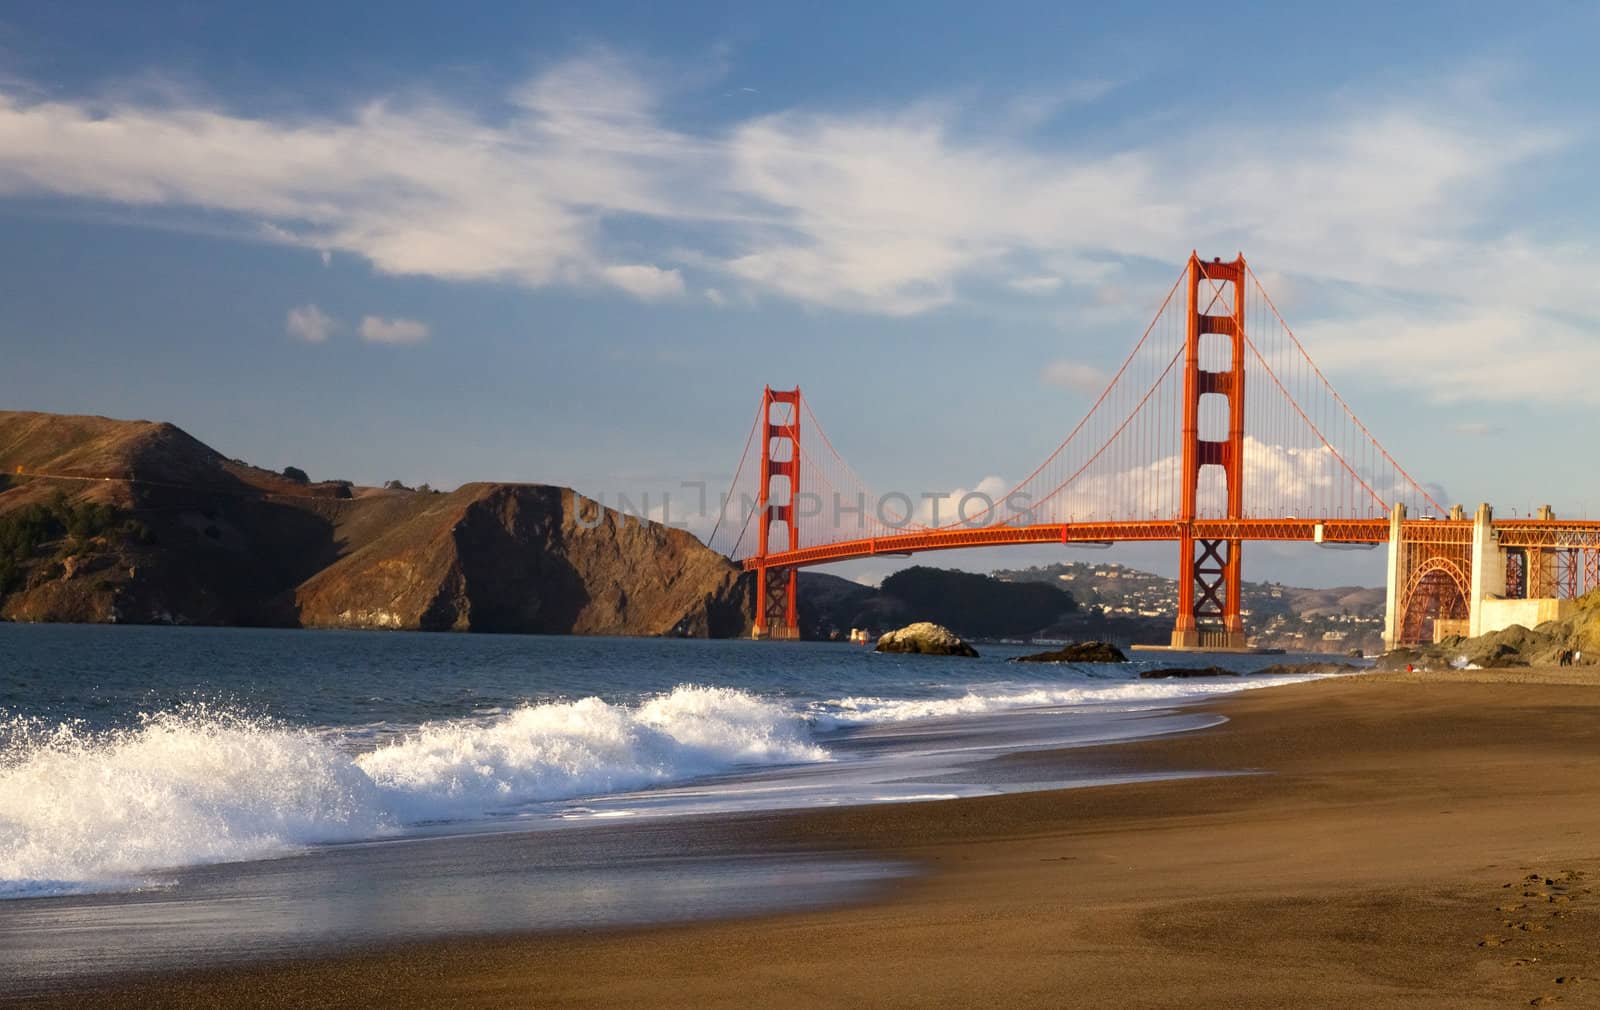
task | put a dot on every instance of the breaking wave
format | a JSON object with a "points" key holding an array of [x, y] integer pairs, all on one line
{"points": [[1001, 698], [83, 810]]}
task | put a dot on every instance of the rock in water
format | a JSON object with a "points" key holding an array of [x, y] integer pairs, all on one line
{"points": [[1078, 652], [926, 638], [1187, 671], [1281, 669]]}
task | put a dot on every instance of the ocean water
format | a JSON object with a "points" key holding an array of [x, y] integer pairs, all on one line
{"points": [[143, 769]]}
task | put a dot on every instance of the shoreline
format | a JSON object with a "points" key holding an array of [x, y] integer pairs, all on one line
{"points": [[1386, 842]]}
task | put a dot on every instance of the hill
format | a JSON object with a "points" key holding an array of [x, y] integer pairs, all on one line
{"points": [[1278, 616], [974, 606], [105, 520], [1076, 601]]}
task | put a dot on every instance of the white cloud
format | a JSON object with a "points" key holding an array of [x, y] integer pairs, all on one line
{"points": [[416, 187], [310, 324], [1075, 375], [1039, 284], [976, 505], [895, 211], [1308, 480], [645, 281], [716, 297], [1460, 354], [1033, 110], [378, 330]]}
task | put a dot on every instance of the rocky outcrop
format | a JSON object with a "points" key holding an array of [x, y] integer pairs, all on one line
{"points": [[1575, 637], [201, 539], [1078, 652], [925, 638], [1187, 671], [499, 557]]}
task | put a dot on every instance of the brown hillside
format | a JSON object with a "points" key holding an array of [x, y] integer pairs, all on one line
{"points": [[499, 557], [202, 539], [151, 453]]}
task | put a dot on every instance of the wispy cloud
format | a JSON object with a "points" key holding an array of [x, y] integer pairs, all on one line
{"points": [[1454, 354], [379, 330], [1034, 109], [977, 504], [1078, 376], [894, 211], [1037, 284], [310, 324], [645, 281]]}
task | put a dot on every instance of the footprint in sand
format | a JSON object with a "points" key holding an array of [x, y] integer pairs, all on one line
{"points": [[1544, 1001]]}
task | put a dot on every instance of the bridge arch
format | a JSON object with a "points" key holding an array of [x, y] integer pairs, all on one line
{"points": [[1438, 589]]}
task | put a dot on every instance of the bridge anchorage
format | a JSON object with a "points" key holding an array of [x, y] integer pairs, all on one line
{"points": [[1173, 450]]}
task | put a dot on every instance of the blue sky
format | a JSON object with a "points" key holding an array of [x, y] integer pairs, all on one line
{"points": [[570, 244]]}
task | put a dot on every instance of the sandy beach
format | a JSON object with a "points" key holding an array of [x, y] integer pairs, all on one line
{"points": [[1385, 840]]}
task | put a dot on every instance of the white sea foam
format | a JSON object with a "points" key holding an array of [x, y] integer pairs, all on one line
{"points": [[82, 811], [189, 786], [582, 748], [1001, 698]]}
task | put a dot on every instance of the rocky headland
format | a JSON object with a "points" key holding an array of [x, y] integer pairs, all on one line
{"points": [[114, 521]]}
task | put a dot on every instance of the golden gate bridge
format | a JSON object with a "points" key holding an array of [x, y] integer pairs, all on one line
{"points": [[1174, 450]]}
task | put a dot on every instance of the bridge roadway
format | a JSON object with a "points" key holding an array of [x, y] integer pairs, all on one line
{"points": [[1513, 533]]}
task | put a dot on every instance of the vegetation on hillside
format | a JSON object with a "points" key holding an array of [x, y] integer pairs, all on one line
{"points": [[26, 530]]}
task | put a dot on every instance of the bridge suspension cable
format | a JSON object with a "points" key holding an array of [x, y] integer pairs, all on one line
{"points": [[1305, 452], [1217, 427]]}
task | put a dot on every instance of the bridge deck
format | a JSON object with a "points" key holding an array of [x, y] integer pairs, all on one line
{"points": [[1513, 533], [1339, 531]]}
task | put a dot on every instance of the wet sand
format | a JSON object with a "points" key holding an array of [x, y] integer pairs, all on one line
{"points": [[1404, 840]]}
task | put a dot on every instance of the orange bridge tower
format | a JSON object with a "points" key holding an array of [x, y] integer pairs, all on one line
{"points": [[1209, 570], [777, 614]]}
